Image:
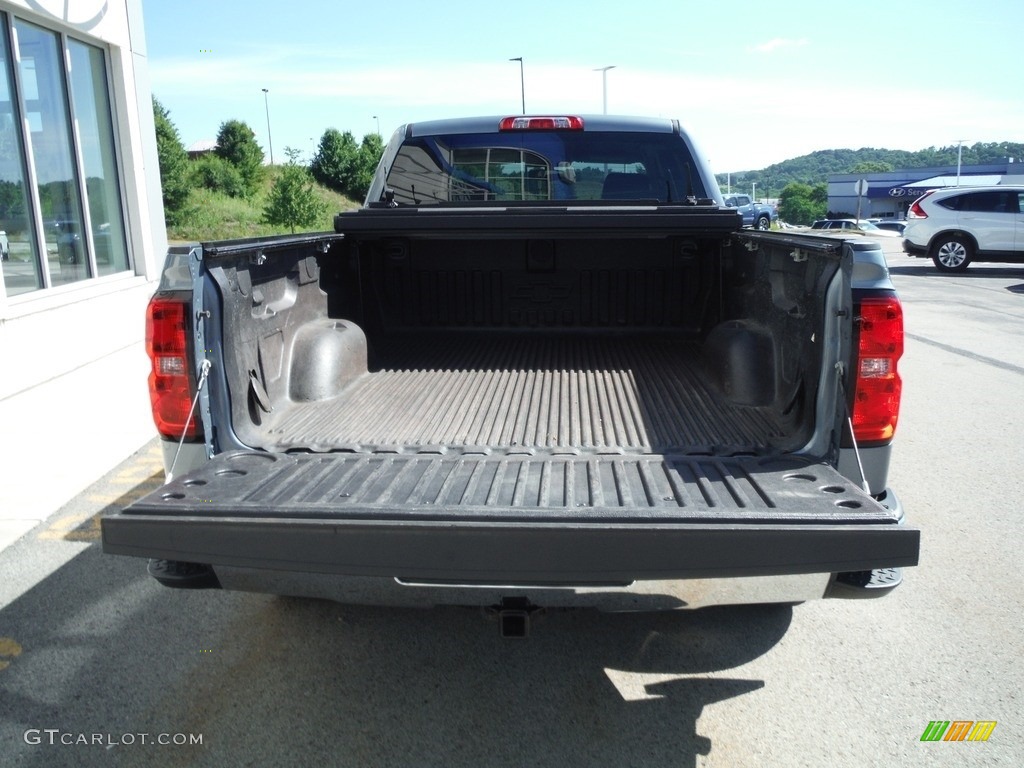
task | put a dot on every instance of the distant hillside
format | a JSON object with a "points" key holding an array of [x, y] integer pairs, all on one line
{"points": [[817, 166]]}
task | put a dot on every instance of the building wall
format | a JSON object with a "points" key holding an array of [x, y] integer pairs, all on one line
{"points": [[73, 399], [890, 194]]}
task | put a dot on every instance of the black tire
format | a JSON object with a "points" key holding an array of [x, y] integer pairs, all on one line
{"points": [[763, 222], [951, 253]]}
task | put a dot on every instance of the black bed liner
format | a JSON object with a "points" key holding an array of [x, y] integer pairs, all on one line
{"points": [[503, 393]]}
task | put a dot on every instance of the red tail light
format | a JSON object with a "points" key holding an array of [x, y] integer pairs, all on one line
{"points": [[876, 398], [915, 211], [171, 380]]}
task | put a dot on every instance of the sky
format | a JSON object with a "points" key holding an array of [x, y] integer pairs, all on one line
{"points": [[754, 83]]}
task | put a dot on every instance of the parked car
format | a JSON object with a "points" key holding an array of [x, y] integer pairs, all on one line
{"points": [[958, 225], [853, 225], [891, 225]]}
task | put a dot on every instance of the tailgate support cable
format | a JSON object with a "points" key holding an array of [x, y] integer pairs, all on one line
{"points": [[204, 371], [840, 369]]}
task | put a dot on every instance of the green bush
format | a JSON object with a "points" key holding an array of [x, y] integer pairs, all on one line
{"points": [[236, 143], [218, 175], [343, 165], [293, 201]]}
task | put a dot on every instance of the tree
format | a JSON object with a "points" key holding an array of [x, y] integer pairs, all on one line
{"points": [[12, 203], [335, 155], [236, 143], [217, 174], [872, 166], [292, 201], [173, 161], [370, 152], [343, 165], [801, 203]]}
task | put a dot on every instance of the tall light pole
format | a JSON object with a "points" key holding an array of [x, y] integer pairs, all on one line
{"points": [[604, 86], [270, 141], [959, 151], [378, 125], [522, 82]]}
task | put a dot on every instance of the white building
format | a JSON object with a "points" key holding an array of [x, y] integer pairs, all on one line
{"points": [[84, 238]]}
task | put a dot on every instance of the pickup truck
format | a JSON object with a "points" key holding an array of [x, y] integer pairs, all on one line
{"points": [[756, 215], [542, 366]]}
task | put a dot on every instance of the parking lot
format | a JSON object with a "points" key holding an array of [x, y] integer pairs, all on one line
{"points": [[99, 665]]}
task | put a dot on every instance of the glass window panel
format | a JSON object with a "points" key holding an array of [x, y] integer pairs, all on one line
{"points": [[19, 252], [43, 80], [96, 134]]}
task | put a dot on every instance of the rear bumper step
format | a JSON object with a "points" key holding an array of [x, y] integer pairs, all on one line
{"points": [[517, 520]]}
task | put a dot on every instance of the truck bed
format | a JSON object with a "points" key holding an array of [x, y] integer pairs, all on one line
{"points": [[507, 394]]}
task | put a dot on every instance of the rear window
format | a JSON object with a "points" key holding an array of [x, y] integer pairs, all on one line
{"points": [[999, 201], [543, 165]]}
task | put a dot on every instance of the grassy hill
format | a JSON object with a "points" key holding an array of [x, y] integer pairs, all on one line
{"points": [[211, 215]]}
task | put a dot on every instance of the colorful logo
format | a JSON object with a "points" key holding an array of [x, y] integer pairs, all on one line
{"points": [[958, 730]]}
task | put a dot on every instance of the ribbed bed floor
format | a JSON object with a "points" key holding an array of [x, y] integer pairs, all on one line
{"points": [[547, 393]]}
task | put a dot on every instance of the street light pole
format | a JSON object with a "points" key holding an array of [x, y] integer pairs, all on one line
{"points": [[378, 125], [522, 82], [270, 141], [959, 150], [604, 86]]}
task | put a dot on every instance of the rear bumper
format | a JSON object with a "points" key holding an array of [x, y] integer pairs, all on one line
{"points": [[914, 249], [657, 595], [452, 530]]}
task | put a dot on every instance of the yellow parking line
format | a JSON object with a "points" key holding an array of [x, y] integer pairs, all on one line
{"points": [[8, 649], [73, 528]]}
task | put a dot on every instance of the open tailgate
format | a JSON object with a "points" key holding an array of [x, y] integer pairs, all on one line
{"points": [[515, 519]]}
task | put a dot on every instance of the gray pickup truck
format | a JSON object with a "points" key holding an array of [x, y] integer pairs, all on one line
{"points": [[754, 214], [542, 366]]}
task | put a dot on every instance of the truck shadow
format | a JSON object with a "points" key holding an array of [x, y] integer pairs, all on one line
{"points": [[281, 681]]}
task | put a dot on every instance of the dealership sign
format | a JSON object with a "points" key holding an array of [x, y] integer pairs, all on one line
{"points": [[897, 193]]}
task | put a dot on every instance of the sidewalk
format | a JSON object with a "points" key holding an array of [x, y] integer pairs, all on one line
{"points": [[60, 436]]}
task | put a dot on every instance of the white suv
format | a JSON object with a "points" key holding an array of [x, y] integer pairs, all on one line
{"points": [[963, 224]]}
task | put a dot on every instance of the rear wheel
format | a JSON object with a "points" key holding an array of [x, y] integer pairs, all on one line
{"points": [[763, 222], [952, 253]]}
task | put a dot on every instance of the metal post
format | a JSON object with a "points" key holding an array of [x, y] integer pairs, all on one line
{"points": [[604, 86], [522, 82], [270, 141], [959, 150], [378, 125]]}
